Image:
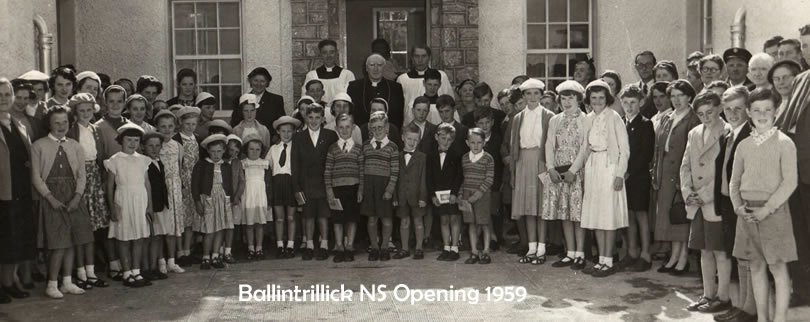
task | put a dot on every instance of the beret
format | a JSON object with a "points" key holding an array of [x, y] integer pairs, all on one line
{"points": [[533, 83]]}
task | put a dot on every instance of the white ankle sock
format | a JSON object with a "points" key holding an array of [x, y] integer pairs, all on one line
{"points": [[541, 249], [127, 274], [280, 243], [324, 243], [91, 271], [609, 261], [454, 249], [532, 249], [252, 248], [136, 272], [447, 248], [601, 259], [290, 243], [259, 248], [227, 250], [310, 244], [579, 254], [67, 280], [81, 274], [170, 262], [53, 284], [570, 254], [214, 255]]}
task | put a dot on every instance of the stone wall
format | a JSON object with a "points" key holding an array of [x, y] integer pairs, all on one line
{"points": [[454, 38], [312, 21]]}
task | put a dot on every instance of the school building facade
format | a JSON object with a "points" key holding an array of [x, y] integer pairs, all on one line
{"points": [[490, 40]]}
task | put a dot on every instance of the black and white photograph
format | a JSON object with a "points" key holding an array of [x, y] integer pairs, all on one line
{"points": [[405, 160]]}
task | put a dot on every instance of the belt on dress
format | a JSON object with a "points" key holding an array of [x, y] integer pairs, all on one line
{"points": [[597, 151], [755, 203]]}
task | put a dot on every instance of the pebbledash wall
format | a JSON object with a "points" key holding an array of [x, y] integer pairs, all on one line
{"points": [[479, 39]]}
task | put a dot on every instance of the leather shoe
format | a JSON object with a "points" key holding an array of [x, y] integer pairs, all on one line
{"points": [[16, 293]]}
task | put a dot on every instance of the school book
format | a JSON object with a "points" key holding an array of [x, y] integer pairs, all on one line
{"points": [[300, 198], [443, 196], [465, 207], [335, 204]]}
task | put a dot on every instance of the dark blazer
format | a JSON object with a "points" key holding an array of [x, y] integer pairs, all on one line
{"points": [[428, 142], [718, 163], [796, 113], [362, 93], [493, 147], [394, 135], [411, 186], [469, 119], [202, 179], [642, 146], [269, 109], [441, 178], [5, 160], [157, 179], [460, 142], [308, 162]]}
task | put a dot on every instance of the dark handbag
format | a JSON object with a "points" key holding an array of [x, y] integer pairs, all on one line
{"points": [[677, 213], [562, 169]]}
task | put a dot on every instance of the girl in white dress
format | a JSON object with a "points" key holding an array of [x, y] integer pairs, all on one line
{"points": [[604, 201], [254, 201], [128, 188]]}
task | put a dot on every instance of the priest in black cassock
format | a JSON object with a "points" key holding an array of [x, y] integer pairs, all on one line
{"points": [[362, 91]]}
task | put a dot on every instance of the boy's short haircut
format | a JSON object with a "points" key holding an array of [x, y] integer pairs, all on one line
{"points": [[378, 117], [151, 135], [421, 100], [433, 74], [327, 42], [711, 58], [632, 91], [445, 100], [411, 128], [734, 93], [482, 89], [773, 41], [719, 84], [793, 42], [485, 114], [764, 94], [706, 98], [477, 131], [315, 108], [311, 82], [165, 116], [515, 94], [379, 100], [114, 89], [445, 128], [343, 117]]}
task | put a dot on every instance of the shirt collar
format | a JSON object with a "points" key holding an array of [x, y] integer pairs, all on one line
{"points": [[186, 137], [349, 143], [220, 162], [476, 156], [738, 129], [50, 136], [311, 132], [383, 142]]}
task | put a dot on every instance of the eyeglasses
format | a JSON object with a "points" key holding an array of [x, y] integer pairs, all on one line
{"points": [[709, 70]]}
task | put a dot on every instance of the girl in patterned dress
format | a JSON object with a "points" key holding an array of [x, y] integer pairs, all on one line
{"points": [[188, 117], [256, 212], [562, 197], [212, 187], [172, 157], [83, 105]]}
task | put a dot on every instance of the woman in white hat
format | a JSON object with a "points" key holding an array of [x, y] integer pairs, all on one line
{"points": [[342, 104], [529, 135], [604, 202], [249, 126]]}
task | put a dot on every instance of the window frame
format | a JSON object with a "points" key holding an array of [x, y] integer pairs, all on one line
{"points": [[220, 112], [374, 22], [546, 78]]}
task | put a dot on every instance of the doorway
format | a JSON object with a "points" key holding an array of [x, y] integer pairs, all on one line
{"points": [[403, 23]]}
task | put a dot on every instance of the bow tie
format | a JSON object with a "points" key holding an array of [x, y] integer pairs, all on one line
{"points": [[408, 153]]}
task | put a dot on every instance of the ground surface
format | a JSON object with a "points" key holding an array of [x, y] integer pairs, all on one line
{"points": [[553, 294]]}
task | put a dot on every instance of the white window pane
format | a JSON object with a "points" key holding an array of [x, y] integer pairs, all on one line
{"points": [[557, 65], [230, 41], [579, 10], [231, 71], [183, 15], [208, 71], [558, 36], [184, 43], [579, 36], [206, 15], [536, 35], [229, 14], [557, 10], [207, 42], [536, 10], [536, 65], [230, 94]]}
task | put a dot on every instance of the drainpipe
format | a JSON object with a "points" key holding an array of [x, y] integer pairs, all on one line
{"points": [[738, 29], [44, 43]]}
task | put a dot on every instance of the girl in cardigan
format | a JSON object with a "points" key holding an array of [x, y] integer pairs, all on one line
{"points": [[698, 189], [58, 174], [162, 221], [763, 177], [604, 201], [188, 117], [88, 136], [562, 199], [479, 173], [344, 178], [381, 171], [283, 200], [128, 190], [258, 189], [249, 126], [211, 185], [171, 155]]}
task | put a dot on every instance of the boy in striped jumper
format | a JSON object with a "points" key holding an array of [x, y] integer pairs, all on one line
{"points": [[380, 170], [344, 178], [479, 174]]}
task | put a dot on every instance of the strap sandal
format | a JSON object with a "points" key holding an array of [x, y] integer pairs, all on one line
{"points": [[84, 284], [527, 259], [97, 282], [539, 260]]}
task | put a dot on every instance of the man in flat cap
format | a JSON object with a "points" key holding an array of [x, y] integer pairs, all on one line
{"points": [[737, 67]]}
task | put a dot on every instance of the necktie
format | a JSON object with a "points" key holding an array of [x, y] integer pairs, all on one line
{"points": [[644, 88], [729, 145], [283, 157], [378, 143], [344, 146]]}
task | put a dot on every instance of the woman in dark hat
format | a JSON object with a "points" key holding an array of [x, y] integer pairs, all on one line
{"points": [[269, 106]]}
